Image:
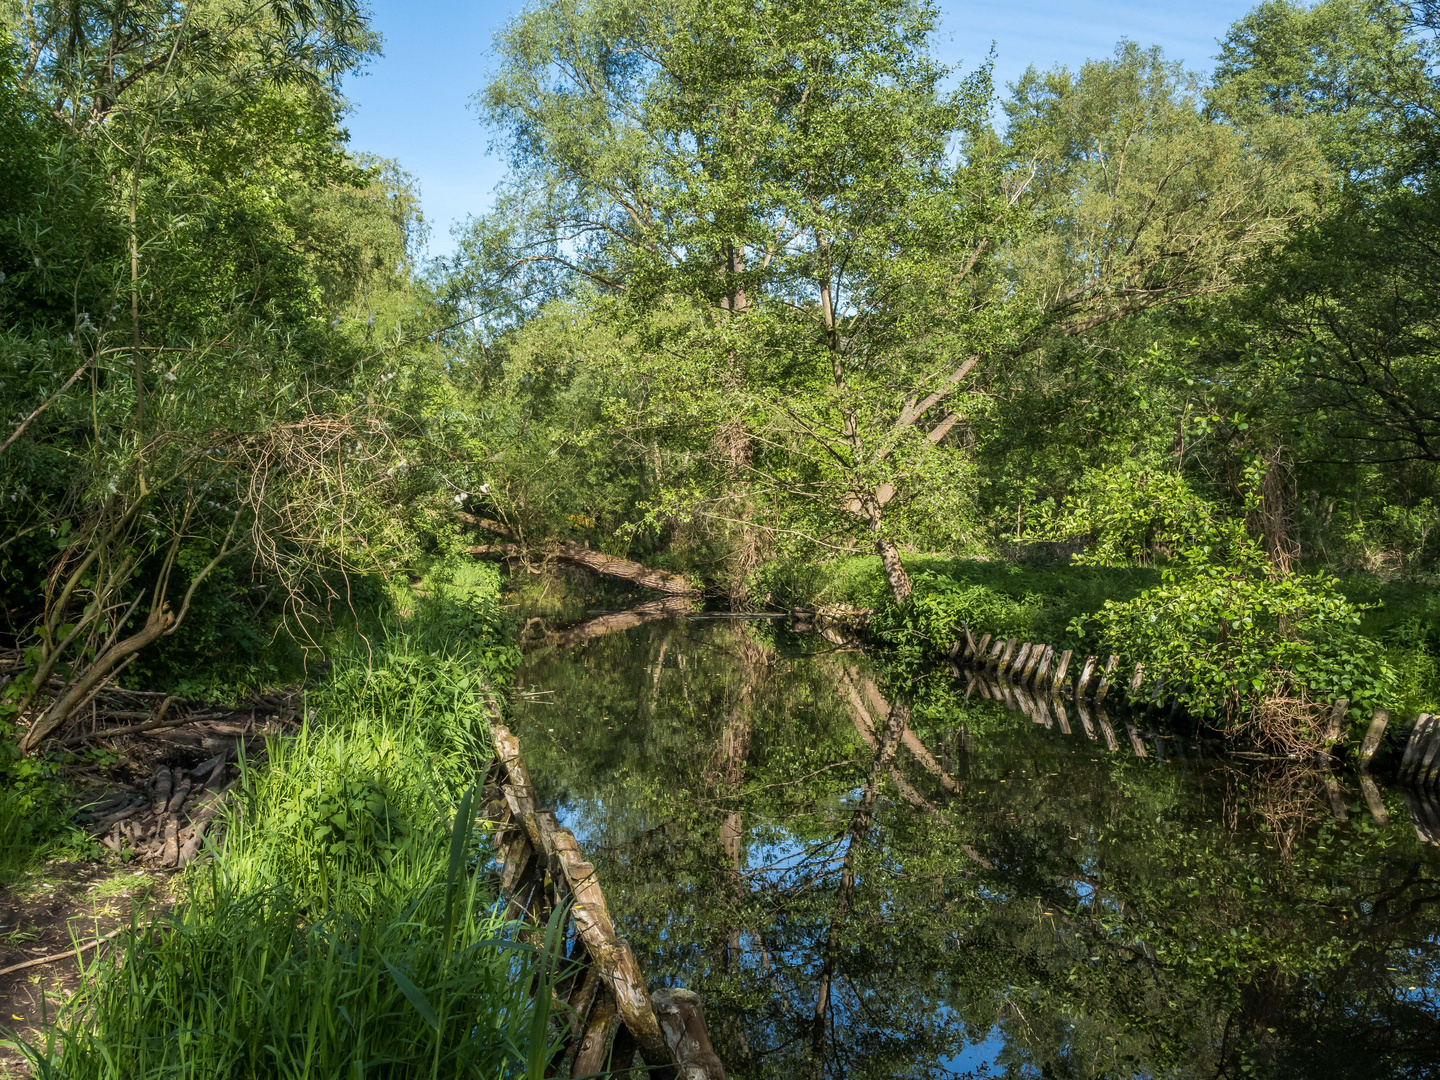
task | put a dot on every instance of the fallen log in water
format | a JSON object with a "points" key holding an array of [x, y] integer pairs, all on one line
{"points": [[595, 561], [543, 869]]}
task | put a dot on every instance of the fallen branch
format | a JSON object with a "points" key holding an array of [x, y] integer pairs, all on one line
{"points": [[149, 725], [598, 562], [61, 955]]}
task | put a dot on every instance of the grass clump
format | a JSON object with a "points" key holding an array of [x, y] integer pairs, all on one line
{"points": [[246, 984], [347, 927]]}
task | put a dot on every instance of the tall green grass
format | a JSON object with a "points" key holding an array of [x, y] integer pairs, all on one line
{"points": [[345, 928]]}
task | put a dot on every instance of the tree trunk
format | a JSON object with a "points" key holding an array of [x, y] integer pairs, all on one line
{"points": [[894, 570]]}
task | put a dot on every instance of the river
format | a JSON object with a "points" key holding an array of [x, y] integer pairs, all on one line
{"points": [[950, 886]]}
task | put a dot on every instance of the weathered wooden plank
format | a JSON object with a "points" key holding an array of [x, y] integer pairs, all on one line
{"points": [[1336, 797], [1087, 672], [1006, 656], [1432, 750], [1413, 744], [1057, 706], [1060, 670], [1335, 727]]}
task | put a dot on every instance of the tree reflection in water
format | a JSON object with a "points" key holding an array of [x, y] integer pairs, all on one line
{"points": [[867, 887]]}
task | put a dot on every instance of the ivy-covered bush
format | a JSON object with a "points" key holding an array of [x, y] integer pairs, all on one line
{"points": [[1230, 639]]}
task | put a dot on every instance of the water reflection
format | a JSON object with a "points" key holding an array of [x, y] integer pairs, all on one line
{"points": [[975, 879]]}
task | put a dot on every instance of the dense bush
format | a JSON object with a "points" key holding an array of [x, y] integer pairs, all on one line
{"points": [[1229, 639]]}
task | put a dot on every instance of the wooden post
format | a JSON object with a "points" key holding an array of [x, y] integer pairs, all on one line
{"points": [[1064, 666], [1427, 776], [1372, 799], [1020, 658], [1137, 681], [1086, 673], [1105, 678], [683, 1024], [1046, 655], [1008, 652], [980, 657], [1371, 742], [594, 1044], [1337, 798], [1414, 743], [1036, 651], [1432, 747], [969, 643], [1417, 819], [1335, 729]]}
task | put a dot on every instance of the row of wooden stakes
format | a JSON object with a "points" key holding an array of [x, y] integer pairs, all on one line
{"points": [[1026, 664], [611, 1014]]}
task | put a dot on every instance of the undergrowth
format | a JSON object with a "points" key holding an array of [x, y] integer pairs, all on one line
{"points": [[345, 928]]}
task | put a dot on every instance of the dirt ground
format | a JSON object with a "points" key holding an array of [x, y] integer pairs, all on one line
{"points": [[150, 808]]}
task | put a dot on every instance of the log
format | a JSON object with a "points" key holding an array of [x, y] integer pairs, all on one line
{"points": [[615, 621], [595, 1043], [683, 1023], [1060, 671], [1371, 743], [1105, 678], [1086, 674], [594, 561], [160, 790]]}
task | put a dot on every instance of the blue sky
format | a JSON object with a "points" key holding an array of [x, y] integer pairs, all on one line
{"points": [[413, 103]]}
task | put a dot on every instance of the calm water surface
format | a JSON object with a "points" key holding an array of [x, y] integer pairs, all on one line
{"points": [[867, 887]]}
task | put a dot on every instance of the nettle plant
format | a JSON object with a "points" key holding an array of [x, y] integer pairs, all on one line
{"points": [[1252, 649]]}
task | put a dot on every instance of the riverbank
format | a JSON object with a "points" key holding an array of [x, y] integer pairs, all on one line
{"points": [[325, 928]]}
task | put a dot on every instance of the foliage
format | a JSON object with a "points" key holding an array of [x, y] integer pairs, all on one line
{"points": [[1226, 640], [249, 984]]}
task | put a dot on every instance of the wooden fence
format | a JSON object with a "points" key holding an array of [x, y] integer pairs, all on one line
{"points": [[611, 1015], [1046, 670]]}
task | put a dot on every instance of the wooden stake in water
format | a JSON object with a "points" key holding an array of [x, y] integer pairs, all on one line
{"points": [[1137, 681], [1105, 678], [1060, 670], [1046, 655], [1335, 729], [1020, 658], [1086, 673], [1371, 792], [1005, 656], [1371, 742], [1414, 743]]}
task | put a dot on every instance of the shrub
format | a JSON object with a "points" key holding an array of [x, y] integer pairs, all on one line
{"points": [[1230, 640]]}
